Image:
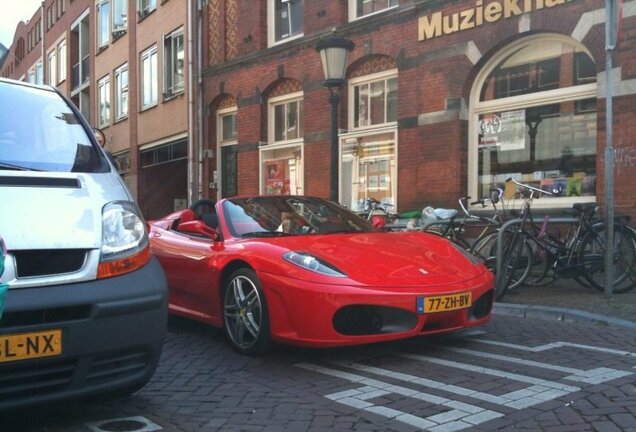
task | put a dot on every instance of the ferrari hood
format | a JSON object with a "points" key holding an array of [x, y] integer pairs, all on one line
{"points": [[390, 259]]}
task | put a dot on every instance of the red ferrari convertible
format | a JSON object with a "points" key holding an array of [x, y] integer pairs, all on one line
{"points": [[308, 272]]}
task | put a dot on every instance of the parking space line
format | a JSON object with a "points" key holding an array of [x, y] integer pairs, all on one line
{"points": [[459, 416], [555, 345], [591, 376]]}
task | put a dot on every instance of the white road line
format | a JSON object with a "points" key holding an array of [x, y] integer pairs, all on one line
{"points": [[537, 393], [591, 376], [459, 416], [555, 345]]}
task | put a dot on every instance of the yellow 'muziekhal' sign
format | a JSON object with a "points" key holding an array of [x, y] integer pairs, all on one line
{"points": [[438, 24]]}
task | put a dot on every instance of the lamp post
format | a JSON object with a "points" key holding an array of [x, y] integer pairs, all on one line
{"points": [[333, 53]]}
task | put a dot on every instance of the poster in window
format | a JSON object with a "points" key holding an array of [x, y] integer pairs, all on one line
{"points": [[275, 177], [506, 131]]}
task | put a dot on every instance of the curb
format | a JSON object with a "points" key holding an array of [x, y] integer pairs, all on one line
{"points": [[559, 314]]}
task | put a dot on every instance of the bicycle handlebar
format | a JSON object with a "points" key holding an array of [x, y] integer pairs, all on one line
{"points": [[531, 188]]}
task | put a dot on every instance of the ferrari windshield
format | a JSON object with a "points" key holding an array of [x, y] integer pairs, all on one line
{"points": [[40, 132], [273, 216]]}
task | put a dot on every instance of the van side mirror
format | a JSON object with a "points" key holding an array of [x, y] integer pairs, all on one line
{"points": [[199, 228]]}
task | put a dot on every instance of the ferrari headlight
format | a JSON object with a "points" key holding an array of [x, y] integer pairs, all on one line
{"points": [[124, 239], [470, 257], [311, 263]]}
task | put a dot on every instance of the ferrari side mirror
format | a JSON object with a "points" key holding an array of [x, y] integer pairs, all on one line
{"points": [[199, 228]]}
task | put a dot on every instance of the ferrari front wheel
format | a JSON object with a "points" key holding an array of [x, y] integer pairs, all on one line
{"points": [[245, 313]]}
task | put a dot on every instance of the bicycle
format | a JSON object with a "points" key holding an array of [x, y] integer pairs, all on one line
{"points": [[578, 255]]}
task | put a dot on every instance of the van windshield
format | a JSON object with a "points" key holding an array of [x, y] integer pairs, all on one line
{"points": [[40, 132]]}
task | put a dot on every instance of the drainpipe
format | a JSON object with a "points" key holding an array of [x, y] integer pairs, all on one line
{"points": [[190, 108], [200, 93]]}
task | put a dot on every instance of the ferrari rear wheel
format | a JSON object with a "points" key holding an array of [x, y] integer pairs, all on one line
{"points": [[245, 313]]}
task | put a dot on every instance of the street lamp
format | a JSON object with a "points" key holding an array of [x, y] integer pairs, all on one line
{"points": [[333, 53]]}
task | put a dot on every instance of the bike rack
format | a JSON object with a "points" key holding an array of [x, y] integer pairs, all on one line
{"points": [[498, 274]]}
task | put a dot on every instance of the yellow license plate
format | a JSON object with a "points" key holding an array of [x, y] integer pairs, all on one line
{"points": [[23, 346], [447, 302]]}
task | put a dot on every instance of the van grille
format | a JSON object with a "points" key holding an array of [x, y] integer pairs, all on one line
{"points": [[31, 263], [24, 382]]}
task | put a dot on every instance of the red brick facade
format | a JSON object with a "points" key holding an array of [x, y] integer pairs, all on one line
{"points": [[435, 78]]}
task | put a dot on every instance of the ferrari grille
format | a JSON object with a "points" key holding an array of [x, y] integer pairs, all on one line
{"points": [[30, 263]]}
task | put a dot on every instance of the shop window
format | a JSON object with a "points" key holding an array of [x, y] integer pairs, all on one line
{"points": [[164, 154], [103, 101], [361, 8], [549, 145], [285, 20], [369, 168], [149, 78], [373, 101], [121, 92], [282, 156], [173, 63]]}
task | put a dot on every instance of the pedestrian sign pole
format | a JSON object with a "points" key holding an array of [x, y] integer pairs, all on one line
{"points": [[613, 18]]}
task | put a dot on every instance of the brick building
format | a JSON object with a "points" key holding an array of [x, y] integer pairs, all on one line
{"points": [[442, 99], [126, 64]]}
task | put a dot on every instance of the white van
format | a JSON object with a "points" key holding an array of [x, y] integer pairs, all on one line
{"points": [[86, 308]]}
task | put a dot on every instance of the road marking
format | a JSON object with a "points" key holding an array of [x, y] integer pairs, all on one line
{"points": [[535, 394], [591, 376], [556, 345], [460, 416]]}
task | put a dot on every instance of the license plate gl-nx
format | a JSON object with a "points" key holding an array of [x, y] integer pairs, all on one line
{"points": [[426, 304], [23, 346]]}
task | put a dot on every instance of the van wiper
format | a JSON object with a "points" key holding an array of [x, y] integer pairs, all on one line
{"points": [[8, 166]]}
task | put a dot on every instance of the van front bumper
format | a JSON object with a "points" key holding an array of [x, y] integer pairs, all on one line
{"points": [[111, 336]]}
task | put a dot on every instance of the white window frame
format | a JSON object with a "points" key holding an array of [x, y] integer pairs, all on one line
{"points": [[102, 28], [170, 62], [144, 7], [121, 102], [51, 63], [271, 25], [477, 107], [103, 101], [220, 114], [368, 79], [123, 6], [151, 55], [353, 8], [283, 100], [61, 60]]}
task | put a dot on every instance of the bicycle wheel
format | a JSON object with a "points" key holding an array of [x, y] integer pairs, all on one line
{"points": [[486, 250], [541, 271], [516, 262], [448, 231], [591, 255]]}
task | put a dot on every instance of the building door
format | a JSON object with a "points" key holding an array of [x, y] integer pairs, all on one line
{"points": [[229, 171]]}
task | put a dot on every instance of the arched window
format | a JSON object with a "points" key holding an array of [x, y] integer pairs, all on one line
{"points": [[533, 118]]}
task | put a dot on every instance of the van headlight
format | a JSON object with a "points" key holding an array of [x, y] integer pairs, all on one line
{"points": [[125, 246]]}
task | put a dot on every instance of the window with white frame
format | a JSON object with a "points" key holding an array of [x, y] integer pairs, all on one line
{"points": [[61, 56], [52, 68], [282, 157], [103, 101], [121, 92], [361, 8], [149, 77], [174, 59], [144, 7], [286, 119], [368, 162], [103, 23], [120, 17], [285, 20], [226, 126], [373, 100], [533, 118]]}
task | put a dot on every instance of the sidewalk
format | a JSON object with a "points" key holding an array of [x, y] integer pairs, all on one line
{"points": [[566, 300]]}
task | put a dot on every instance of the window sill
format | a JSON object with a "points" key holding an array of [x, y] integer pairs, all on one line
{"points": [[145, 108], [167, 97]]}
